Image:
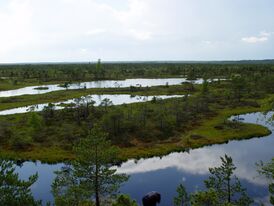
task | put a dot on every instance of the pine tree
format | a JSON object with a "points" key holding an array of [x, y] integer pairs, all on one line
{"points": [[91, 175], [227, 186], [14, 191]]}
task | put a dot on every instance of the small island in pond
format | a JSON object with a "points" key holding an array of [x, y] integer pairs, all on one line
{"points": [[41, 88]]}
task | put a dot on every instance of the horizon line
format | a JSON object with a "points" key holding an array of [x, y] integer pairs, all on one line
{"points": [[136, 61]]}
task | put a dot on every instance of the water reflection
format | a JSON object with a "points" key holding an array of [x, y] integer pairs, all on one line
{"points": [[42, 188], [164, 174], [116, 99], [98, 84]]}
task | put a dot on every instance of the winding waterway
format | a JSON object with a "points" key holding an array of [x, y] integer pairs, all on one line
{"points": [[116, 99], [165, 173], [32, 90]]}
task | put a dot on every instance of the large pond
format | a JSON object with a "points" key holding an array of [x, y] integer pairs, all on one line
{"points": [[116, 99], [97, 84], [165, 173]]}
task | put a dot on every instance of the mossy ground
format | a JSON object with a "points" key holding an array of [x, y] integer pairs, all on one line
{"points": [[200, 134], [206, 130], [208, 133]]}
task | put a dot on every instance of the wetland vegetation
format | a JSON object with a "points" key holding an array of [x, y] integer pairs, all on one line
{"points": [[199, 117], [140, 129]]}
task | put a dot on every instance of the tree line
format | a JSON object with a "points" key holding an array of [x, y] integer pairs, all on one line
{"points": [[97, 71]]}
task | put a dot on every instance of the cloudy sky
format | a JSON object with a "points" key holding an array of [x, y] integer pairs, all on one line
{"points": [[122, 30]]}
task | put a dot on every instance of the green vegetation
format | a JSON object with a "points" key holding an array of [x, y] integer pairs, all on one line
{"points": [[124, 200], [51, 139], [31, 74], [228, 187], [90, 175], [78, 135], [141, 129], [76, 184], [41, 88], [182, 198], [14, 191], [267, 169], [58, 96], [223, 189]]}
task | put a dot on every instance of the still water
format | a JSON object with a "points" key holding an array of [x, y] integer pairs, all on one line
{"points": [[116, 99], [98, 84], [191, 168]]}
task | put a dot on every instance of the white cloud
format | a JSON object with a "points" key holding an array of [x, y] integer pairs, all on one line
{"points": [[141, 35], [135, 20], [95, 32], [262, 37], [83, 50], [196, 162], [207, 42], [254, 39], [15, 25], [56, 30], [264, 33]]}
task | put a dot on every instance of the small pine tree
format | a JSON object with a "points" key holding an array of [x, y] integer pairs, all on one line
{"points": [[182, 198], [227, 186], [91, 175], [14, 191], [124, 200]]}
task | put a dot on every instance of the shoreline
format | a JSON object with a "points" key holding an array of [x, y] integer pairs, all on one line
{"points": [[247, 131]]}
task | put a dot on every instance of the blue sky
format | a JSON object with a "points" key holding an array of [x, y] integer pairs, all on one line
{"points": [[124, 30]]}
